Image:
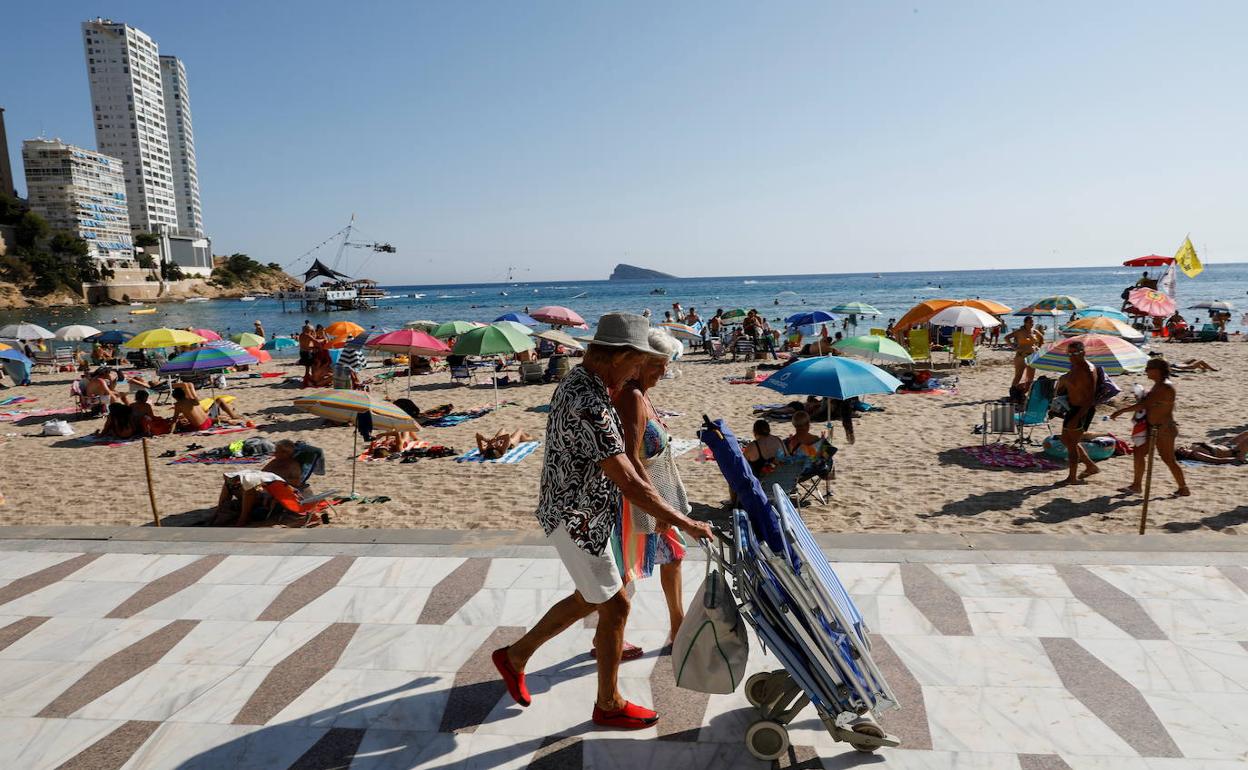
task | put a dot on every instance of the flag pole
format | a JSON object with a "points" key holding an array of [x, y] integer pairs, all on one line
{"points": [[1148, 478]]}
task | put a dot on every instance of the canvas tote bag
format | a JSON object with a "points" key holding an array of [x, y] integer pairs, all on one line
{"points": [[712, 646], [666, 479]]}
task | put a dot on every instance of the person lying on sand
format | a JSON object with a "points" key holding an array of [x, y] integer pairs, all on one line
{"points": [[188, 415], [494, 448], [1234, 453], [1192, 365], [283, 464]]}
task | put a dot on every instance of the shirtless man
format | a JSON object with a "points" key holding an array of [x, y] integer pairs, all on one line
{"points": [[1079, 387], [307, 345], [190, 416], [100, 389], [283, 464], [1025, 339], [1157, 419]]}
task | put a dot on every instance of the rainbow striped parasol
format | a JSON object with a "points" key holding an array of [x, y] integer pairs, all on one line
{"points": [[1113, 354], [207, 359], [346, 405]]}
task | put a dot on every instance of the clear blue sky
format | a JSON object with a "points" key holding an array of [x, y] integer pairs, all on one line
{"points": [[702, 138]]}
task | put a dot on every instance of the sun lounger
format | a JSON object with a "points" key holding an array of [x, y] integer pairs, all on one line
{"points": [[964, 348], [920, 342]]}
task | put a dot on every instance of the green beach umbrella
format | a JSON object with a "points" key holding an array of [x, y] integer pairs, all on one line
{"points": [[736, 314], [1060, 302], [856, 308], [873, 346], [515, 326], [454, 328], [492, 341], [248, 340]]}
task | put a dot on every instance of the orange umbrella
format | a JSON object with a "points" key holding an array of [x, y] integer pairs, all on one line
{"points": [[341, 331], [261, 355], [922, 312]]}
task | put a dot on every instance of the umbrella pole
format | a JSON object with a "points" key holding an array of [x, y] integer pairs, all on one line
{"points": [[355, 438], [1148, 478], [151, 490]]}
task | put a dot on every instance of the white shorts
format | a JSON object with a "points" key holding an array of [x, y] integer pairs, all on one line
{"points": [[597, 578]]}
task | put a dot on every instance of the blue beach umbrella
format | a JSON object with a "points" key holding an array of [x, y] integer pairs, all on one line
{"points": [[275, 344], [831, 377], [14, 355], [16, 365], [1102, 311], [112, 337], [518, 317], [813, 317]]}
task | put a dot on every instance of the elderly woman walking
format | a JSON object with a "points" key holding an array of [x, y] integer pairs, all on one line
{"points": [[585, 473]]}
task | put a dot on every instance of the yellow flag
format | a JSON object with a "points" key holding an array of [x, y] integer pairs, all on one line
{"points": [[1189, 263]]}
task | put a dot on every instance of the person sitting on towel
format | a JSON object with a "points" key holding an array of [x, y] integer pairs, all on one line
{"points": [[494, 448], [119, 423], [283, 464]]}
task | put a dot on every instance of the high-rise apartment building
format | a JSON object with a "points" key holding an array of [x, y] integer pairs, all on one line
{"points": [[128, 110], [82, 192], [181, 146]]}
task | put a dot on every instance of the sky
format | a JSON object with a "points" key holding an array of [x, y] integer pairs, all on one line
{"points": [[698, 138]]}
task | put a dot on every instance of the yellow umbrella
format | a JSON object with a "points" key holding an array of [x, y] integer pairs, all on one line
{"points": [[163, 338], [5, 347]]}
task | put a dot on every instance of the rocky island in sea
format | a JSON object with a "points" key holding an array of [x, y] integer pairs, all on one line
{"points": [[625, 272]]}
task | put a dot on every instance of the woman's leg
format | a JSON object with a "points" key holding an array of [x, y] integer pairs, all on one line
{"points": [[669, 576], [1137, 458], [1165, 447]]}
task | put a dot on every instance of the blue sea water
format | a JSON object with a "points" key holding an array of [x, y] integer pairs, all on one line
{"points": [[775, 296]]}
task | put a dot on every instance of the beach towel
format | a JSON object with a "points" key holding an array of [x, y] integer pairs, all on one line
{"points": [[409, 446], [18, 414], [1006, 456], [219, 430], [745, 380], [455, 418], [210, 458], [932, 392], [513, 455], [11, 400], [682, 445]]}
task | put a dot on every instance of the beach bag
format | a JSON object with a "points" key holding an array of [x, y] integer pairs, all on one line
{"points": [[57, 428], [666, 480], [1105, 387], [712, 647]]}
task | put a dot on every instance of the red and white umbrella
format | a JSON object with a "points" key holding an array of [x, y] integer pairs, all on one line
{"points": [[410, 342], [557, 315], [1152, 302]]}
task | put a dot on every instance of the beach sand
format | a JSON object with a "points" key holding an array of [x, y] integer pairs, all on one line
{"points": [[902, 475]]}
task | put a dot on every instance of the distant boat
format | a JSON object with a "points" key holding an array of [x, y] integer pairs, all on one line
{"points": [[136, 304], [582, 294], [246, 299], [196, 299], [502, 294], [144, 311]]}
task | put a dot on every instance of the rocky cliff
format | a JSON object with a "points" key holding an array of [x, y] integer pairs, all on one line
{"points": [[624, 272]]}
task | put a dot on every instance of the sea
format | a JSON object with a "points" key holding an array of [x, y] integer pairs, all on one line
{"points": [[776, 296]]}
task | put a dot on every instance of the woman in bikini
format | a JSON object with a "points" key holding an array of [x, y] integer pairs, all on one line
{"points": [[1155, 412], [501, 444], [764, 450], [1025, 339]]}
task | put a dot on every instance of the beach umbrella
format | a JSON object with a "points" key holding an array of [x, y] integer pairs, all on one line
{"points": [[560, 338], [1152, 260], [261, 355], [422, 326], [24, 332], [207, 334], [854, 308], [454, 328], [682, 331], [1114, 354], [1060, 302], [5, 347], [353, 358], [831, 377], [515, 326], [1151, 302], [247, 339], [922, 312], [1038, 311], [988, 306], [964, 316], [557, 315], [1103, 311], [280, 343], [491, 341], [163, 338], [873, 346], [812, 318], [1213, 304], [518, 317], [362, 339], [9, 354], [16, 365], [347, 406], [112, 337], [207, 359], [1103, 325], [736, 314], [76, 332], [343, 330], [409, 342]]}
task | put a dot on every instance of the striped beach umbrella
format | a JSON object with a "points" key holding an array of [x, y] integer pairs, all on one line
{"points": [[682, 331], [163, 338], [347, 405], [1114, 354], [1037, 311], [208, 359], [1103, 311], [280, 343], [856, 308], [1060, 302], [1103, 325]]}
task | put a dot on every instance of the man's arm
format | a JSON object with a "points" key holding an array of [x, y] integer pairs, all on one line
{"points": [[639, 492]]}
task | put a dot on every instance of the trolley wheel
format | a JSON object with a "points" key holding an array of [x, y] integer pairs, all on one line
{"points": [[767, 740], [869, 729], [756, 689]]}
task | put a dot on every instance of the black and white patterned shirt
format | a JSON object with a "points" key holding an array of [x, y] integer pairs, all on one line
{"points": [[583, 430]]}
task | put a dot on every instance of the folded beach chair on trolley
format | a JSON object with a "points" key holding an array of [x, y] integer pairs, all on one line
{"points": [[789, 594], [1000, 420]]}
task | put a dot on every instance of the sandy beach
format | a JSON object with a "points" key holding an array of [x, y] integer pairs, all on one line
{"points": [[902, 475]]}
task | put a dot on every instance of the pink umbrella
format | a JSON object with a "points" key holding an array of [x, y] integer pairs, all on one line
{"points": [[1152, 302], [261, 355], [410, 342], [559, 316], [207, 334]]}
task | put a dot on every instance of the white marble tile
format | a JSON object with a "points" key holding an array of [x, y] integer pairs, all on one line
{"points": [[1003, 580], [220, 642], [284, 640], [1022, 720], [1170, 582], [434, 649], [354, 604], [402, 750], [956, 661], [506, 607], [1038, 617], [133, 567], [870, 578], [155, 693], [891, 614], [73, 599], [1229, 659], [26, 686], [270, 570], [1199, 618], [192, 747], [839, 756], [505, 572], [399, 571], [81, 639], [221, 702], [47, 743], [207, 601], [1205, 725], [16, 564], [393, 700], [1151, 763], [1164, 666]]}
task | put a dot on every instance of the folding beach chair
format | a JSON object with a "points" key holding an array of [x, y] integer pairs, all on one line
{"points": [[964, 348], [463, 374], [64, 360], [715, 348], [744, 346], [818, 471], [557, 368], [1036, 412], [287, 499], [44, 359], [920, 345], [1000, 420], [531, 372]]}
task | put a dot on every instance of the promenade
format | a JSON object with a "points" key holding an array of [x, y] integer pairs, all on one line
{"points": [[201, 648]]}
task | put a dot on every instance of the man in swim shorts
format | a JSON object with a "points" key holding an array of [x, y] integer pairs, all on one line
{"points": [[1079, 387]]}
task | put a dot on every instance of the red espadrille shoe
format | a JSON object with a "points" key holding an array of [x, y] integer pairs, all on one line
{"points": [[514, 679], [631, 717]]}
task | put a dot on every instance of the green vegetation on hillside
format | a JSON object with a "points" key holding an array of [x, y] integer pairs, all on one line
{"points": [[43, 260], [240, 268]]}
